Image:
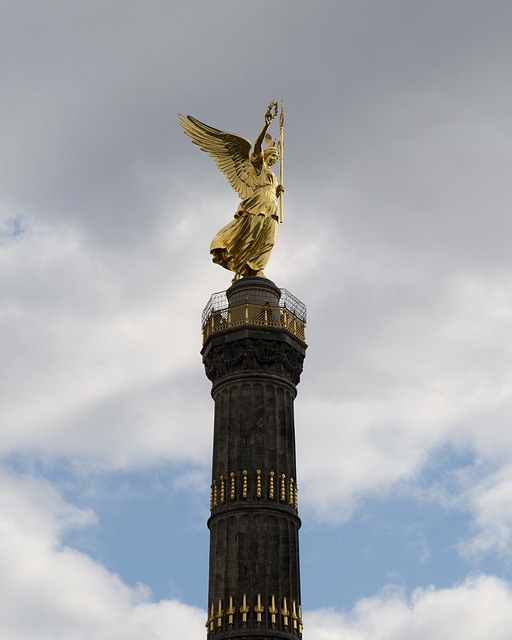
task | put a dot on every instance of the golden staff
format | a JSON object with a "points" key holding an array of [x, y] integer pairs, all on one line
{"points": [[281, 149]]}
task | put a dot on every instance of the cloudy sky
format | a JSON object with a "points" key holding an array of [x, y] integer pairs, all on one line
{"points": [[396, 235]]}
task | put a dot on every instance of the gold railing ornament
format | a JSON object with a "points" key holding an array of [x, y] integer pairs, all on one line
{"points": [[301, 626], [295, 617], [209, 622], [220, 613], [222, 489], [244, 609], [233, 486], [273, 610], [259, 609], [287, 488], [231, 611], [289, 314], [283, 487], [244, 488], [285, 613]]}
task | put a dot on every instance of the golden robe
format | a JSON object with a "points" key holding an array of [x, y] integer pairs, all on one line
{"points": [[244, 245]]}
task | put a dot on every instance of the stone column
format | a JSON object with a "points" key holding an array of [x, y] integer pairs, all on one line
{"points": [[254, 581]]}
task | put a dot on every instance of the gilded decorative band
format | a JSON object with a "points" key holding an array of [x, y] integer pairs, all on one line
{"points": [[253, 487], [278, 608]]}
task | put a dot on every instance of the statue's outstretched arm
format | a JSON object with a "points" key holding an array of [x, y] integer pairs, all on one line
{"points": [[261, 137]]}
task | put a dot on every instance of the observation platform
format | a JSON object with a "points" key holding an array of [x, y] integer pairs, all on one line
{"points": [[254, 302]]}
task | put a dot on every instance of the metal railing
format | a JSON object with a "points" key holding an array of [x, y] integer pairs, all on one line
{"points": [[290, 315]]}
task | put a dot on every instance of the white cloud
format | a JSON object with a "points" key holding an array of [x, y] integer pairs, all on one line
{"points": [[70, 596], [95, 369], [53, 592], [478, 609], [425, 373], [396, 236], [490, 500], [411, 378], [87, 333]]}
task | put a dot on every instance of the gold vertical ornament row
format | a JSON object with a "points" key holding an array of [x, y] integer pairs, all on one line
{"points": [[209, 622], [244, 609], [231, 611], [295, 617], [273, 610], [288, 491], [285, 613], [271, 486], [244, 489], [283, 487], [220, 613], [233, 486], [259, 610], [223, 489]]}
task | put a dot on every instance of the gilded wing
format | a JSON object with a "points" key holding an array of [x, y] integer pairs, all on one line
{"points": [[230, 152]]}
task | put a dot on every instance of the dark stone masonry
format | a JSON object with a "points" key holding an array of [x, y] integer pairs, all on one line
{"points": [[254, 580]]}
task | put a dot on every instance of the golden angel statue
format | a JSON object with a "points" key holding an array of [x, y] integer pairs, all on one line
{"points": [[244, 244]]}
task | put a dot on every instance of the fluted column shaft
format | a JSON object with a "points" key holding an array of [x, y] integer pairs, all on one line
{"points": [[254, 581]]}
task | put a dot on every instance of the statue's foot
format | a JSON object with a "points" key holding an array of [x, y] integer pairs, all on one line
{"points": [[237, 277], [259, 274]]}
